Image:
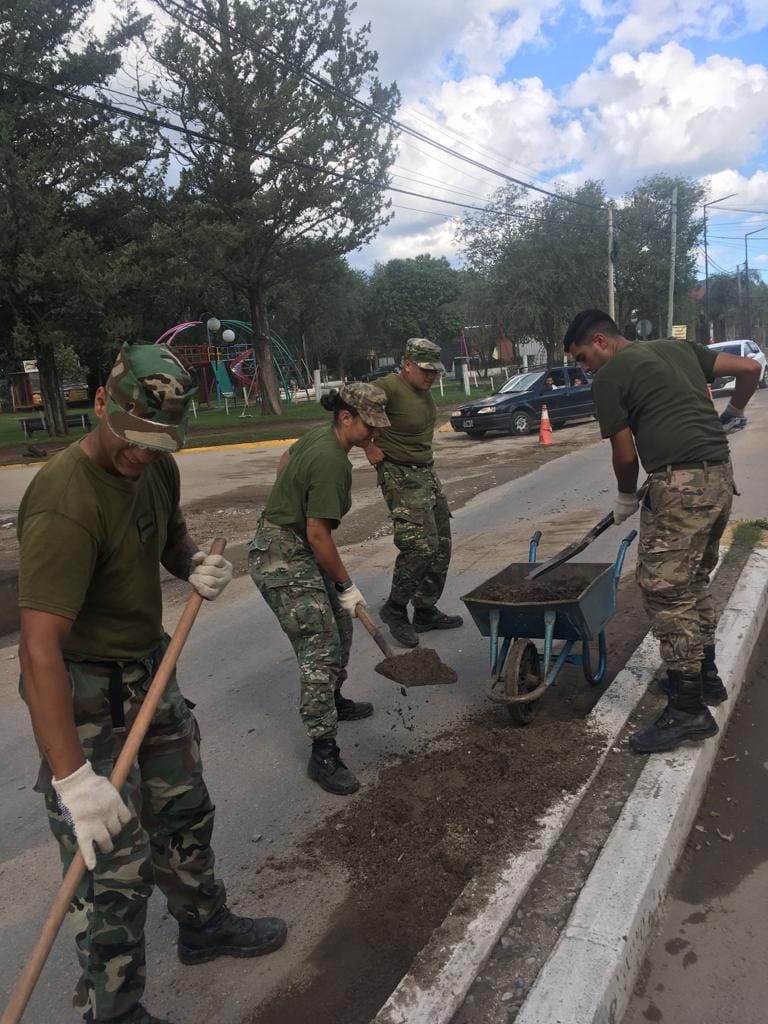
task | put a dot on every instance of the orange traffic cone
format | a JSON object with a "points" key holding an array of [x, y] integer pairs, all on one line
{"points": [[545, 427]]}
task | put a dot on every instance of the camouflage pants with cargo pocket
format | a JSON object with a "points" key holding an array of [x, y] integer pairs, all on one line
{"points": [[168, 840], [682, 519], [307, 607], [422, 532]]}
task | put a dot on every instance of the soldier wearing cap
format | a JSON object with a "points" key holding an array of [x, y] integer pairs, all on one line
{"points": [[94, 526], [295, 563], [414, 495]]}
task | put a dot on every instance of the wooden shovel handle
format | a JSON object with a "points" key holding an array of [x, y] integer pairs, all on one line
{"points": [[374, 630], [31, 973]]}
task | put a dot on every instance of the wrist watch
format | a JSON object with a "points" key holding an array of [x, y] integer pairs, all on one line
{"points": [[344, 585]]}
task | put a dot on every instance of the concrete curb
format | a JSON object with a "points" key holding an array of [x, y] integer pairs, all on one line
{"points": [[430, 995], [589, 977]]}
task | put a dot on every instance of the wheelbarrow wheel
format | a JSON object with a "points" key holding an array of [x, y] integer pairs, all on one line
{"points": [[523, 676], [594, 678]]}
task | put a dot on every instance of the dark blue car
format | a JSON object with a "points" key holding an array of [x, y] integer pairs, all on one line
{"points": [[516, 407]]}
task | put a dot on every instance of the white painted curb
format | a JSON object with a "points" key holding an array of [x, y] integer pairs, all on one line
{"points": [[590, 974], [429, 995]]}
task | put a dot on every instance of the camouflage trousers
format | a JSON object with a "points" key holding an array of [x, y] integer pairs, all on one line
{"points": [[682, 519], [168, 840], [422, 528], [307, 607]]}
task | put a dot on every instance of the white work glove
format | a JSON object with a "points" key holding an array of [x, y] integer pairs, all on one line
{"points": [[732, 418], [350, 598], [212, 574], [94, 809], [624, 506]]}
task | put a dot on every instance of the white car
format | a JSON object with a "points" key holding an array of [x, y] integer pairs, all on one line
{"points": [[748, 349]]}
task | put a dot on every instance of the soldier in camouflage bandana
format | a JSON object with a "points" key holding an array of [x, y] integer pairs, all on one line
{"points": [[94, 527], [295, 563]]}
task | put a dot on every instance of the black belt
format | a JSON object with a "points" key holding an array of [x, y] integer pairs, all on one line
{"points": [[703, 464]]}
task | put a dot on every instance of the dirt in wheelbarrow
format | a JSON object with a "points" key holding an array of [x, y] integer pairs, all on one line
{"points": [[532, 591], [409, 844]]}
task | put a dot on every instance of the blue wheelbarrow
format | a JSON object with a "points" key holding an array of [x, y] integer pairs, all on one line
{"points": [[519, 673]]}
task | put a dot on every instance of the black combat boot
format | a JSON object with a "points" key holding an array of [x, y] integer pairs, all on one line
{"points": [[328, 770], [713, 690], [685, 719], [138, 1015], [351, 710], [396, 617], [226, 934], [712, 685], [425, 619]]}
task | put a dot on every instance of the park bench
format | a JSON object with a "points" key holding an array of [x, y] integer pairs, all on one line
{"points": [[29, 424]]}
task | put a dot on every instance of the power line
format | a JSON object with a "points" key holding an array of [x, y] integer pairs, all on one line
{"points": [[212, 140], [323, 83]]}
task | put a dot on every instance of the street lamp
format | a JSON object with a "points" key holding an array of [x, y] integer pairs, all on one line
{"points": [[746, 277], [706, 261]]}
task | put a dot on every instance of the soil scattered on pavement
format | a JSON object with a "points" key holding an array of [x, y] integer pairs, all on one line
{"points": [[410, 843], [531, 592], [421, 667]]}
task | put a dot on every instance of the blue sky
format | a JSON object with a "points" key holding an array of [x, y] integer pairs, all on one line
{"points": [[545, 89]]}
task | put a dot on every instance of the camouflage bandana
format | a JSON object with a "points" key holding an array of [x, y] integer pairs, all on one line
{"points": [[424, 353], [149, 392], [369, 402]]}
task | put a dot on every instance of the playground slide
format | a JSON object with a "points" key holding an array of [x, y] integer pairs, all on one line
{"points": [[236, 365], [223, 383]]}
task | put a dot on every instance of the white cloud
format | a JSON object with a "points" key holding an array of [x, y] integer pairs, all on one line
{"points": [[664, 111], [644, 23], [416, 40]]}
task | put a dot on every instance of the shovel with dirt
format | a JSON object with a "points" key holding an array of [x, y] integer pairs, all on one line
{"points": [[420, 667]]}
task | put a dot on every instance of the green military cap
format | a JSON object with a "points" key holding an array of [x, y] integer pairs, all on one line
{"points": [[424, 353], [149, 392], [369, 402]]}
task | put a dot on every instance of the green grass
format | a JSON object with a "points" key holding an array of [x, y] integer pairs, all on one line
{"points": [[214, 426]]}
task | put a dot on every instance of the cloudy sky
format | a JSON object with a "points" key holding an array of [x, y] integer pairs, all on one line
{"points": [[562, 91]]}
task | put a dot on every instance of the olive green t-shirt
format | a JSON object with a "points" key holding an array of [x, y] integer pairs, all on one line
{"points": [[315, 482], [412, 415], [659, 390], [90, 549]]}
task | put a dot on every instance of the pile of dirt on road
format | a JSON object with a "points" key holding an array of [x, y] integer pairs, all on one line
{"points": [[421, 667], [411, 842], [532, 591]]}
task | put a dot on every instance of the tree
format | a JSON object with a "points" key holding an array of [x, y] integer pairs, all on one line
{"points": [[411, 298], [643, 237], [237, 72], [544, 261], [57, 156]]}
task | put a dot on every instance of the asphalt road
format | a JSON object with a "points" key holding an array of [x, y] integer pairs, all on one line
{"points": [[239, 669]]}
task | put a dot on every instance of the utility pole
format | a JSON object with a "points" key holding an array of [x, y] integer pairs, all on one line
{"points": [[748, 332], [611, 296], [707, 320], [672, 258]]}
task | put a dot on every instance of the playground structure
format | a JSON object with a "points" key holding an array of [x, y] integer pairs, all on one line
{"points": [[226, 361]]}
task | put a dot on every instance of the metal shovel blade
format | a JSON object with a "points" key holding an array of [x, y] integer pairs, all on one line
{"points": [[572, 549]]}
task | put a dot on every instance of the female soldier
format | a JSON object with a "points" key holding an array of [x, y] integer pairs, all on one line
{"points": [[294, 562]]}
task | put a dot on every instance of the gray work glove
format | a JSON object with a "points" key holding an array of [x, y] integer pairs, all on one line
{"points": [[624, 506], [93, 808], [211, 574], [732, 418], [350, 598]]}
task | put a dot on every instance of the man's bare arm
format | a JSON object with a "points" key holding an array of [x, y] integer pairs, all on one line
{"points": [[745, 371], [48, 691], [177, 558], [625, 462]]}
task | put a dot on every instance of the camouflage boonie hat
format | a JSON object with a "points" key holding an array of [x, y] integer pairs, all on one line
{"points": [[149, 392], [424, 353], [369, 402]]}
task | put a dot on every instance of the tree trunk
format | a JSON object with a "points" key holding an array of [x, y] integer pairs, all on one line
{"points": [[262, 346], [50, 390]]}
